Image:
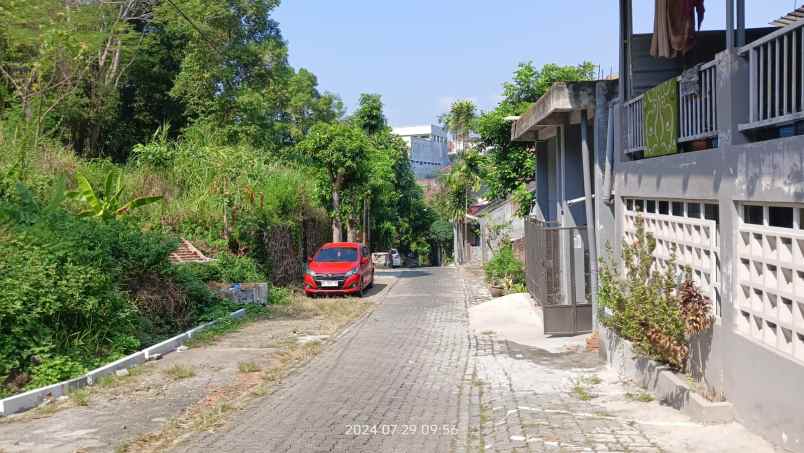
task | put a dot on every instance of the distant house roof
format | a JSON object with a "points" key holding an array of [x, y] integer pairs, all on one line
{"points": [[187, 253], [490, 207], [428, 129], [789, 18]]}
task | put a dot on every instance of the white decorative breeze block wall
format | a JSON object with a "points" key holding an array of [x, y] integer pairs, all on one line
{"points": [[694, 241], [770, 286]]}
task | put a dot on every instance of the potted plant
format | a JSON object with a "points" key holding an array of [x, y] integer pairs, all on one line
{"points": [[496, 288]]}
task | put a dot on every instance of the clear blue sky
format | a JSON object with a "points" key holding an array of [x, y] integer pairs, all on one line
{"points": [[421, 55]]}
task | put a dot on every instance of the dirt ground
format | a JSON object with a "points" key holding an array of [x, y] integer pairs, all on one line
{"points": [[161, 402]]}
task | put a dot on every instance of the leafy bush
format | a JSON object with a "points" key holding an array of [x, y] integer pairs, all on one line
{"points": [[505, 269], [77, 292], [228, 268], [647, 307]]}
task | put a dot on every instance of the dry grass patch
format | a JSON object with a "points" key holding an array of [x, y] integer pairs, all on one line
{"points": [[80, 396], [248, 367], [333, 313], [178, 372], [211, 413]]}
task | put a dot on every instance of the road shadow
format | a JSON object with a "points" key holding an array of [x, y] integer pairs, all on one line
{"points": [[402, 273], [376, 289]]}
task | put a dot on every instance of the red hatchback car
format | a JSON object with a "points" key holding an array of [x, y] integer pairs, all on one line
{"points": [[339, 268]]}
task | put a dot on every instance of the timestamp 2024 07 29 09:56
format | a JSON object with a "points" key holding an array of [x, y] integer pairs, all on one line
{"points": [[401, 430]]}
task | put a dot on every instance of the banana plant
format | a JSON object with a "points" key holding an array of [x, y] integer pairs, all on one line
{"points": [[106, 205]]}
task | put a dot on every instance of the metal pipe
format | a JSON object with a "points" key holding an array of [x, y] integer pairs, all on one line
{"points": [[740, 23], [590, 209], [729, 24]]}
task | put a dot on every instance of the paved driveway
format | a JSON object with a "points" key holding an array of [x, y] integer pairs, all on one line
{"points": [[392, 382], [413, 377]]}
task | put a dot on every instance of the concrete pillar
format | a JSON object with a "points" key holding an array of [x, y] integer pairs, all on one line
{"points": [[732, 100]]}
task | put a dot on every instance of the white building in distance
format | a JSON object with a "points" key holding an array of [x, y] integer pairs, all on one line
{"points": [[428, 149]]}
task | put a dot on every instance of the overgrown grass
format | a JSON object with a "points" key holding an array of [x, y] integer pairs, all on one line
{"points": [[581, 387], [178, 372], [248, 367], [582, 392], [642, 397], [226, 325], [80, 396], [113, 380]]}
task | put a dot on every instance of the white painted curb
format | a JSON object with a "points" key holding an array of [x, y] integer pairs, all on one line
{"points": [[33, 398]]}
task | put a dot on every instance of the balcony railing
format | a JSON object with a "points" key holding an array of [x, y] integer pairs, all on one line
{"points": [[697, 113], [635, 125], [776, 78]]}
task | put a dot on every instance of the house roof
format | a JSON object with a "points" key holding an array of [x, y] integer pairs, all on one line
{"points": [[555, 106], [488, 208], [790, 18]]}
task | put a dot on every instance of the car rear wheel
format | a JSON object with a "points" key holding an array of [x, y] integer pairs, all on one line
{"points": [[371, 285]]}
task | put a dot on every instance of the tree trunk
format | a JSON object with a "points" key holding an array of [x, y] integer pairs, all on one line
{"points": [[337, 229], [351, 231]]}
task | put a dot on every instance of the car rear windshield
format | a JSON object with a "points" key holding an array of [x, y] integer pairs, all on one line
{"points": [[336, 254]]}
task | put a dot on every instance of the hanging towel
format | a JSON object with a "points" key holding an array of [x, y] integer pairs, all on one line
{"points": [[661, 119], [674, 27], [660, 45]]}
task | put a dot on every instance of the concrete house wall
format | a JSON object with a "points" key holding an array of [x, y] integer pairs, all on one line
{"points": [[428, 149], [756, 374]]}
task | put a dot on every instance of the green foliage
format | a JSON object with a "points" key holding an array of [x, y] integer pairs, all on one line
{"points": [[645, 305], [75, 293], [158, 153], [460, 120], [512, 164], [107, 204], [505, 269], [369, 115], [55, 369], [523, 200], [228, 268], [340, 152], [529, 84]]}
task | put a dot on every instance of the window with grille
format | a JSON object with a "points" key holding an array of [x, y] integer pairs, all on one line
{"points": [[769, 295], [688, 229]]}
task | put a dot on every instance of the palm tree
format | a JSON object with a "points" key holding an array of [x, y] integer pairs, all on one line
{"points": [[464, 178], [460, 121]]}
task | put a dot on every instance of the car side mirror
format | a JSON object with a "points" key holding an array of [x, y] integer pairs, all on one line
{"points": [[365, 260], [309, 258]]}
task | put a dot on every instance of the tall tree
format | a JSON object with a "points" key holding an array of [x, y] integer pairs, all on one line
{"points": [[460, 121], [512, 164], [339, 150], [369, 115]]}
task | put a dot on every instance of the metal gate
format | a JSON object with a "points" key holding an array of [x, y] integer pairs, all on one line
{"points": [[558, 276]]}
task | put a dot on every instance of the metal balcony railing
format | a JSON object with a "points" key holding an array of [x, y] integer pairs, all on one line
{"points": [[697, 113], [776, 78], [635, 125]]}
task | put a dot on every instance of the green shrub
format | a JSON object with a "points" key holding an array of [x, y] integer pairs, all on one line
{"points": [[228, 268], [505, 269], [647, 306], [75, 293]]}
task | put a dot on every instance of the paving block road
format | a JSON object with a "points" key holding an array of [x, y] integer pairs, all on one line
{"points": [[413, 377]]}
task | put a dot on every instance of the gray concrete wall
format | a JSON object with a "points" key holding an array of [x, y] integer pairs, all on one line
{"points": [[427, 157], [763, 385]]}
